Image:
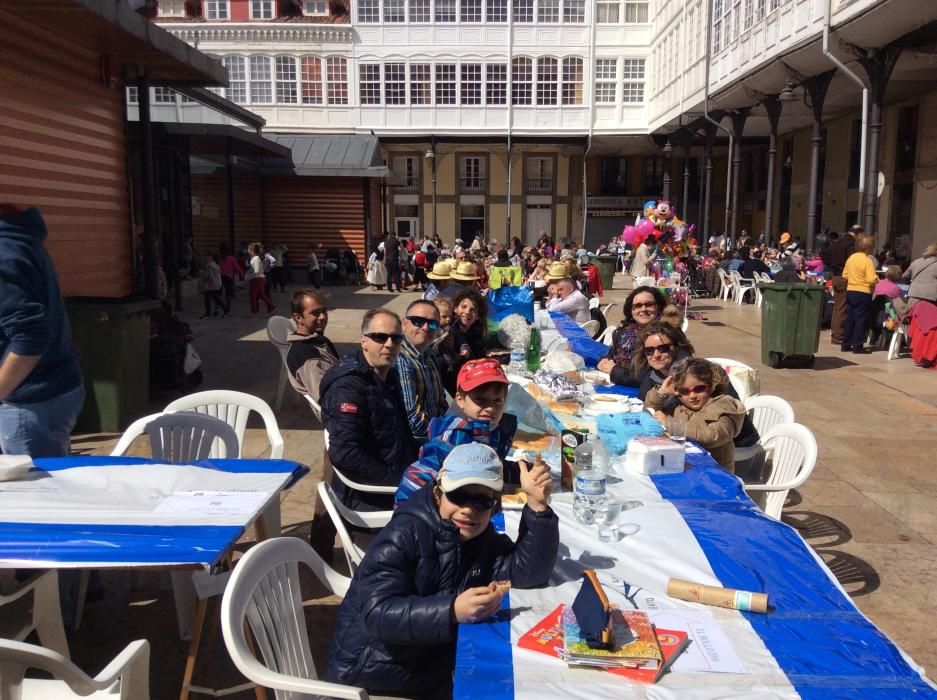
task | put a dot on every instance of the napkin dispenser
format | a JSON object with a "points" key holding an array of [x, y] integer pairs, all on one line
{"points": [[655, 455], [14, 467]]}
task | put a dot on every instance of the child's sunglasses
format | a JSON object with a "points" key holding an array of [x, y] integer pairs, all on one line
{"points": [[475, 501], [698, 389]]}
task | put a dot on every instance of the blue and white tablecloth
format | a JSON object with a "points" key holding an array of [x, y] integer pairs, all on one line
{"points": [[100, 512], [700, 526]]}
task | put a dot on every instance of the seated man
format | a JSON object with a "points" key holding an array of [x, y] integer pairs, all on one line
{"points": [[570, 301], [754, 264], [424, 396], [369, 436], [311, 354]]}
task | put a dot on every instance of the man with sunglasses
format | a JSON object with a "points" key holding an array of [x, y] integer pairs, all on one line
{"points": [[421, 386], [311, 354], [369, 436]]}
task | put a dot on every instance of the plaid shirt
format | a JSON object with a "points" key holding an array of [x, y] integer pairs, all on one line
{"points": [[445, 433], [424, 396]]}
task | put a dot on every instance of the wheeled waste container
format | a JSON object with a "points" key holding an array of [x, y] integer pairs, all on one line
{"points": [[606, 265], [790, 322], [113, 341]]}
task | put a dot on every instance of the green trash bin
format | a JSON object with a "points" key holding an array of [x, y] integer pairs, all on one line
{"points": [[606, 265], [790, 321], [113, 341]]}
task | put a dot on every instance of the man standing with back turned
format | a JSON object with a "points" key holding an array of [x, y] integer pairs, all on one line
{"points": [[840, 250], [41, 387]]}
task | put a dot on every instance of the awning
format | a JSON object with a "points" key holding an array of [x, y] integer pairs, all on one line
{"points": [[122, 37], [327, 155]]}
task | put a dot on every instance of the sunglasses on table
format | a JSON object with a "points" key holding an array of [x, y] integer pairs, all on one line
{"points": [[698, 389], [382, 338], [663, 348], [420, 321], [476, 501]]}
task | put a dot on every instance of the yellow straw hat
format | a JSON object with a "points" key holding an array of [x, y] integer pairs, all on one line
{"points": [[557, 271], [465, 272], [440, 271]]}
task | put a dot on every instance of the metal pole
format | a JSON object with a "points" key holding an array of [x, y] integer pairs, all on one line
{"points": [[773, 106], [706, 115], [709, 186], [150, 252], [815, 141], [686, 181], [871, 192]]}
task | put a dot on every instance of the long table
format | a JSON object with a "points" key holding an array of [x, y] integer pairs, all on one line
{"points": [[701, 526]]}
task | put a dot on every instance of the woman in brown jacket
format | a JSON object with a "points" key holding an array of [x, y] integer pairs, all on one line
{"points": [[713, 418]]}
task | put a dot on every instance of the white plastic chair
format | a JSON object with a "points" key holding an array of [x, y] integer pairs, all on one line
{"points": [[647, 281], [264, 592], [127, 677], [371, 520], [792, 449], [45, 615], [189, 437], [727, 288], [741, 388], [899, 336], [233, 407], [743, 285], [278, 329], [591, 327], [766, 412], [606, 336], [353, 553], [594, 303], [314, 405]]}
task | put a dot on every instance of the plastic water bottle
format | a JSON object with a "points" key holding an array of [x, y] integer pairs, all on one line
{"points": [[518, 357], [591, 467]]}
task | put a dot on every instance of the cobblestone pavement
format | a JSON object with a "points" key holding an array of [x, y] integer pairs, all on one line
{"points": [[869, 510]]}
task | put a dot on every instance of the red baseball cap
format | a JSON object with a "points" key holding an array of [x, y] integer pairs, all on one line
{"points": [[474, 373]]}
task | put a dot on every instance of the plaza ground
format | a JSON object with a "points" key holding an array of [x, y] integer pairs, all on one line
{"points": [[869, 510]]}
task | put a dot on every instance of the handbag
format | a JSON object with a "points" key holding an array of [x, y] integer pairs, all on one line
{"points": [[593, 612]]}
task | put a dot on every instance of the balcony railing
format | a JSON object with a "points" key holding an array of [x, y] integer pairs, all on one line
{"points": [[408, 185], [540, 185], [472, 185]]}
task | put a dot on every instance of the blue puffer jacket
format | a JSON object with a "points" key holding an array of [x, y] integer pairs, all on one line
{"points": [[369, 436], [395, 631]]}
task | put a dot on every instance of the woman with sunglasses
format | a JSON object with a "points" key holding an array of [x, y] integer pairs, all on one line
{"points": [[643, 305], [713, 418], [660, 346], [437, 563]]}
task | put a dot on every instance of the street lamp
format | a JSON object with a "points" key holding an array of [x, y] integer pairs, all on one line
{"points": [[787, 94], [667, 150], [431, 159]]}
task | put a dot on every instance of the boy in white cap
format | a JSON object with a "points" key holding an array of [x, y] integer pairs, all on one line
{"points": [[434, 566]]}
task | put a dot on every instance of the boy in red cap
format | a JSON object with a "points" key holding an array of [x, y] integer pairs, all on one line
{"points": [[481, 394]]}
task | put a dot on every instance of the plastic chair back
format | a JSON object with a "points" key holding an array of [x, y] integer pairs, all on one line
{"points": [[127, 677], [234, 408], [45, 617], [314, 405], [591, 327], [594, 302], [353, 553], [190, 437], [264, 591], [768, 411], [793, 450]]}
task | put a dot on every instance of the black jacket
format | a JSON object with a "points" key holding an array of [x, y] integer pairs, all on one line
{"points": [[840, 250], [369, 437], [395, 631]]}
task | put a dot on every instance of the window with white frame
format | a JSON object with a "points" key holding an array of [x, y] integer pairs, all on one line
{"points": [[421, 84], [369, 83], [760, 8], [606, 80], [170, 8], [635, 12], [261, 9], [606, 11], [539, 175], [237, 78], [736, 18], [445, 83], [163, 96], [311, 80], [496, 11], [574, 11], [395, 11], [407, 168], [261, 80], [548, 11], [546, 80], [471, 84], [336, 80], [749, 14], [286, 80], [632, 75], [445, 10], [471, 11], [216, 9], [471, 173], [523, 11], [132, 95], [315, 8], [420, 11], [717, 26], [369, 11], [522, 78], [395, 83], [572, 81], [496, 84]]}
